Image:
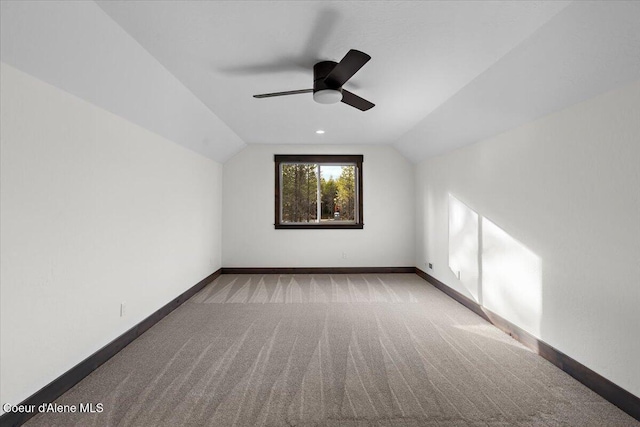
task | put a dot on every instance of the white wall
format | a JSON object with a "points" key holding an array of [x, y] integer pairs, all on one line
{"points": [[94, 211], [250, 240], [558, 211]]}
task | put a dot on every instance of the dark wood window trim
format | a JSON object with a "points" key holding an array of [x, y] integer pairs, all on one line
{"points": [[319, 158]]}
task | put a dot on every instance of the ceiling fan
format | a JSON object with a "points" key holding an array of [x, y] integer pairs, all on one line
{"points": [[328, 79]]}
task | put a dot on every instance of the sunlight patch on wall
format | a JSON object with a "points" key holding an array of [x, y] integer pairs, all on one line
{"points": [[511, 278], [463, 246], [495, 269]]}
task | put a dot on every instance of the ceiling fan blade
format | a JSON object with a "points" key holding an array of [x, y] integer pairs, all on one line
{"points": [[280, 65], [323, 27], [355, 101], [290, 92], [346, 68]]}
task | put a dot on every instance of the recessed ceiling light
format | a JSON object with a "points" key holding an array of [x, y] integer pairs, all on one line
{"points": [[319, 131]]}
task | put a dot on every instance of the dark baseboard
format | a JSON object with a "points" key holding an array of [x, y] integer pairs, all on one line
{"points": [[615, 394], [64, 382], [318, 270]]}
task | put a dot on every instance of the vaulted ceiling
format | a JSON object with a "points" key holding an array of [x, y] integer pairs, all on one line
{"points": [[442, 74]]}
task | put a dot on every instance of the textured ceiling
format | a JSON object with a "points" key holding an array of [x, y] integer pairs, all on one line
{"points": [[442, 74], [422, 54]]}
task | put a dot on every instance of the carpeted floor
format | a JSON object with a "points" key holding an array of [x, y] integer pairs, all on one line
{"points": [[339, 350]]}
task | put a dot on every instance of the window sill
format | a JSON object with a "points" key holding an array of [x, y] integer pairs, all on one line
{"points": [[319, 226]]}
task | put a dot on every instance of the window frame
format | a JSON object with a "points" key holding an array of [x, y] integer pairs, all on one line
{"points": [[356, 159]]}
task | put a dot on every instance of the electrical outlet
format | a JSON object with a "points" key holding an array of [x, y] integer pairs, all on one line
{"points": [[344, 255], [430, 266], [123, 309]]}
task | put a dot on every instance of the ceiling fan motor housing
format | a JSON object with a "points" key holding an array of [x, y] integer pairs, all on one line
{"points": [[323, 91]]}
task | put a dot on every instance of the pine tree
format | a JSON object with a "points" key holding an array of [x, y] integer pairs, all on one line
{"points": [[299, 192], [346, 193]]}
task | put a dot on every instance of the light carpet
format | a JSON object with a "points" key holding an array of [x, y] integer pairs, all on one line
{"points": [[335, 350]]}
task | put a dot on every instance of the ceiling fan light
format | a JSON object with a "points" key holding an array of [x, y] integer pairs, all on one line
{"points": [[327, 96]]}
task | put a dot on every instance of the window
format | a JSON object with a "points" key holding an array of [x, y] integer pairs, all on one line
{"points": [[318, 191]]}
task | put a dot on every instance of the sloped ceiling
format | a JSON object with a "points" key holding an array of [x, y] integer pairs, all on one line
{"points": [[442, 74], [587, 49], [76, 47]]}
